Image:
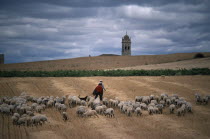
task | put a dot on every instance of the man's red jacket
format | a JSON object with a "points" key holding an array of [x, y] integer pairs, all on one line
{"points": [[99, 89]]}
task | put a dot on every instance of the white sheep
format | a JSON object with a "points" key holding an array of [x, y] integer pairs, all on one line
{"points": [[73, 101], [39, 109], [150, 110], [205, 100], [160, 108], [154, 101], [43, 106], [135, 105], [173, 99], [138, 111], [189, 107], [120, 105], [83, 103], [43, 118], [57, 105], [81, 110], [129, 111], [17, 115], [106, 101], [111, 101], [34, 105], [181, 110], [22, 121], [172, 108], [162, 102], [109, 112], [14, 119], [89, 98], [39, 100], [151, 104], [65, 116], [90, 113], [146, 99], [163, 96], [5, 110], [99, 109], [138, 98], [143, 106], [168, 101], [12, 108], [104, 107], [29, 113], [28, 120], [115, 103], [175, 95], [39, 119], [156, 110], [153, 110], [50, 103], [157, 98], [152, 97], [96, 103], [62, 107], [124, 108]]}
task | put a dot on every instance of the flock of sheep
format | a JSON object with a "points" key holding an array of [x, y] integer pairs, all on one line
{"points": [[26, 110], [201, 100]]}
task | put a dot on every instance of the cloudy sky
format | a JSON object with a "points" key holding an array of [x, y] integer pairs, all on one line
{"points": [[59, 29]]}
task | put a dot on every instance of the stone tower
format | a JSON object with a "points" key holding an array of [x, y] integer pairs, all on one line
{"points": [[126, 45]]}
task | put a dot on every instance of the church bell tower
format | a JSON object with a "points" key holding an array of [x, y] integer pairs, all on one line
{"points": [[126, 45]]}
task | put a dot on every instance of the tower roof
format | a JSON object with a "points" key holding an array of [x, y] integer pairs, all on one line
{"points": [[126, 37]]}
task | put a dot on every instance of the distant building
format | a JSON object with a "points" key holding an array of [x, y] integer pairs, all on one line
{"points": [[1, 58], [126, 45]]}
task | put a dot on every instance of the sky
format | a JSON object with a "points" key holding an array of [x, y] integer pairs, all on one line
{"points": [[37, 30]]}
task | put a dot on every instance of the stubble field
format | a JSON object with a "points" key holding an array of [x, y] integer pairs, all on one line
{"points": [[166, 125], [114, 62]]}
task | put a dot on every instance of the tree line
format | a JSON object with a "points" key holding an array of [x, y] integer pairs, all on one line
{"points": [[89, 73]]}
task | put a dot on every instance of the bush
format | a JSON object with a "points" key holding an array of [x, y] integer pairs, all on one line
{"points": [[199, 55], [88, 73]]}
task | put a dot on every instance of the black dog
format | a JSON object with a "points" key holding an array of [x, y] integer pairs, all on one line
{"points": [[82, 98]]}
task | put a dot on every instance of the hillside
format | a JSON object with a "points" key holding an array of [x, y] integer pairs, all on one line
{"points": [[184, 64], [99, 62]]}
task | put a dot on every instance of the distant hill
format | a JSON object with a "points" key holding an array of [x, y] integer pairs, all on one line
{"points": [[109, 55], [99, 62]]}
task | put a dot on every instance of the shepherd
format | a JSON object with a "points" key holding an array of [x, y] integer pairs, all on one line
{"points": [[99, 90]]}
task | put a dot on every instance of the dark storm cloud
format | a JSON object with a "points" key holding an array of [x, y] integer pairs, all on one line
{"points": [[52, 29]]}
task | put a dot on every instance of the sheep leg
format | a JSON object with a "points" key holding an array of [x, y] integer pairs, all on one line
{"points": [[113, 115]]}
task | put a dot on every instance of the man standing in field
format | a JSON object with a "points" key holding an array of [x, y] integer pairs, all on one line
{"points": [[99, 91]]}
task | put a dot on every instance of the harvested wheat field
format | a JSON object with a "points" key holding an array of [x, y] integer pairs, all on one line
{"points": [[184, 64], [100, 62], [163, 126]]}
